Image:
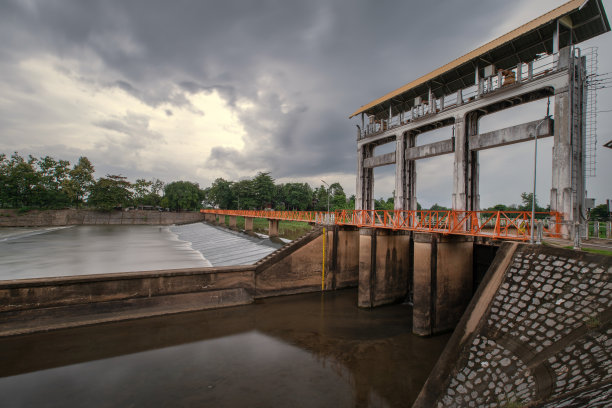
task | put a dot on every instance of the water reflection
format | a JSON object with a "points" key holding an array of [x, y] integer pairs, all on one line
{"points": [[305, 350]]}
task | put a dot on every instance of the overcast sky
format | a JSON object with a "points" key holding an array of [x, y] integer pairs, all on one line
{"points": [[195, 90]]}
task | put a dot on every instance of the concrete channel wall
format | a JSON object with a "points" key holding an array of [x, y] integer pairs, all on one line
{"points": [[31, 305], [537, 333], [55, 218]]}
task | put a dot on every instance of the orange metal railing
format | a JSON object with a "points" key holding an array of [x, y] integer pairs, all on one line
{"points": [[515, 225]]}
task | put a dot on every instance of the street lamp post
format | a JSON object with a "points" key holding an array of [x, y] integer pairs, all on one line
{"points": [[327, 196], [535, 166]]}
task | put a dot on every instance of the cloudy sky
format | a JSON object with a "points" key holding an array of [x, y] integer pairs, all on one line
{"points": [[196, 90]]}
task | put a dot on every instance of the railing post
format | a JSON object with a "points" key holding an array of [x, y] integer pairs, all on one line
{"points": [[608, 229], [596, 229], [540, 228], [496, 231], [577, 235]]}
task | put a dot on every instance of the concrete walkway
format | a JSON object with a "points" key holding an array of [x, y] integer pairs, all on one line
{"points": [[223, 247]]}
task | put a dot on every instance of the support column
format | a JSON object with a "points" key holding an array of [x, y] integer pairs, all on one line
{"points": [[248, 223], [364, 193], [384, 266], [567, 191], [465, 173], [405, 174], [273, 228], [232, 221], [443, 281]]}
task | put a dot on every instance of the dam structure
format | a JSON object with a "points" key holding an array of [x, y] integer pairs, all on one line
{"points": [[532, 325]]}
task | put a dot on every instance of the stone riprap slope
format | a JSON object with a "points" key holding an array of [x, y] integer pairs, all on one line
{"points": [[544, 339]]}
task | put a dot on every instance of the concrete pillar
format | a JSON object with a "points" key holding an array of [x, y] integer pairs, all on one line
{"points": [[442, 281], [232, 221], [608, 230], [248, 223], [384, 266], [405, 174], [567, 192], [364, 193], [273, 228], [465, 172], [596, 229]]}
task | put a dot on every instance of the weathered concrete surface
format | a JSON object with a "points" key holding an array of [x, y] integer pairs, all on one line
{"points": [[538, 333], [384, 265], [31, 305], [298, 267], [273, 228], [514, 134], [36, 218], [248, 223], [431, 150], [443, 274], [381, 160]]}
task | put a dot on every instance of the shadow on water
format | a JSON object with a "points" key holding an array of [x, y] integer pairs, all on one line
{"points": [[303, 350]]}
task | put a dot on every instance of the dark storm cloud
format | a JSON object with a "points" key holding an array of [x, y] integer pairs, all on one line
{"points": [[318, 59], [291, 70]]}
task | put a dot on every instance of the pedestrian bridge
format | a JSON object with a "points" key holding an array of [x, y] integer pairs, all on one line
{"points": [[504, 225]]}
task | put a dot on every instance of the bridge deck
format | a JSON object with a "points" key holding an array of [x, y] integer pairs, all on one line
{"points": [[514, 225]]}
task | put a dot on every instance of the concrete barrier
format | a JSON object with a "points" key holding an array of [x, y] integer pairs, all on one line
{"points": [[31, 305], [36, 218]]}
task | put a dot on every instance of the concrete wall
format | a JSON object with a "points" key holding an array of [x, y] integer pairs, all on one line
{"points": [[443, 274], [35, 218], [32, 305], [298, 268], [384, 266], [63, 291]]}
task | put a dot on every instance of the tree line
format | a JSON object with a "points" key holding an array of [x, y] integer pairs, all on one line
{"points": [[47, 183]]}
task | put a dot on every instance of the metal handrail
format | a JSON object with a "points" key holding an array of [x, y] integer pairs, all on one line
{"points": [[513, 225]]}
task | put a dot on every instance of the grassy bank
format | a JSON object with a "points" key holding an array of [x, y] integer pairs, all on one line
{"points": [[286, 229]]}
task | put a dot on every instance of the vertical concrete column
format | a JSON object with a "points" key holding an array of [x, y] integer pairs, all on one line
{"points": [[567, 190], [442, 281], [364, 193], [232, 221], [273, 228], [384, 266], [248, 223], [608, 230], [465, 171], [405, 174]]}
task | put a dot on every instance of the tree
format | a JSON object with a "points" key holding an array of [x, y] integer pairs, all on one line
{"points": [[81, 180], [438, 207], [338, 198], [600, 213], [295, 196], [220, 193], [263, 190], [182, 195], [147, 192], [243, 195], [110, 192], [21, 182]]}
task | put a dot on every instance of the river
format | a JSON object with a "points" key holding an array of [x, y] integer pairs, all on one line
{"points": [[310, 350]]}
